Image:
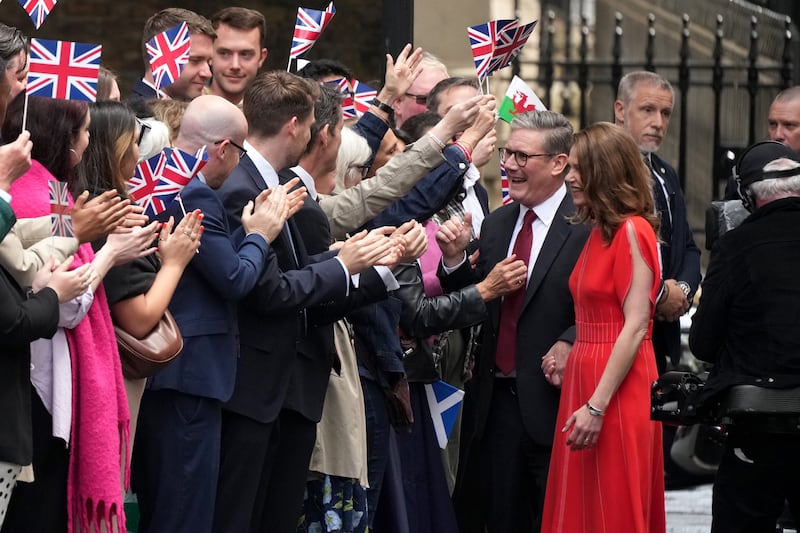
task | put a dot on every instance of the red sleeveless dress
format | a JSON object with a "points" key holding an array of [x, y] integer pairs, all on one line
{"points": [[617, 486]]}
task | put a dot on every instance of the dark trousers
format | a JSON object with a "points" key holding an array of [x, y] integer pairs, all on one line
{"points": [[175, 462], [41, 506], [377, 442], [758, 473], [513, 468], [263, 475]]}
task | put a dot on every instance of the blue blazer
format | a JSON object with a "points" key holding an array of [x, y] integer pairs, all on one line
{"points": [[204, 303]]}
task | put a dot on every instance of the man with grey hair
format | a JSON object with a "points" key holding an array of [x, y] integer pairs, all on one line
{"points": [[15, 157], [644, 107], [503, 468], [413, 101], [747, 325]]}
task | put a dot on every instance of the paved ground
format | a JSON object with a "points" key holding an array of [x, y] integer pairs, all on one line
{"points": [[689, 511]]}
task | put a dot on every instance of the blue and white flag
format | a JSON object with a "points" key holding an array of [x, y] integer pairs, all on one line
{"points": [[444, 401]]}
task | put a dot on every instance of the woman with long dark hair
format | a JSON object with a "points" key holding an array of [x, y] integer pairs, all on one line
{"points": [[80, 413]]}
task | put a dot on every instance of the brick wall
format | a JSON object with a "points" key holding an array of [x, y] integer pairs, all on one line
{"points": [[354, 35]]}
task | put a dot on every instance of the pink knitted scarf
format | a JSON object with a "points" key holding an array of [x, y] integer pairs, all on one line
{"points": [[100, 420]]}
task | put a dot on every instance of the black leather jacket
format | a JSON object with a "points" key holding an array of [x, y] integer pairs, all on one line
{"points": [[423, 316]]}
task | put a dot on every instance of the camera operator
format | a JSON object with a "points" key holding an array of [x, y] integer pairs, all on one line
{"points": [[748, 325]]}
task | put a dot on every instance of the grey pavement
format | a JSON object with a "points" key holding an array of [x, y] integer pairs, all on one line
{"points": [[689, 511]]}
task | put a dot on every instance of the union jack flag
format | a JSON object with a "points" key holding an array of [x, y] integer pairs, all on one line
{"points": [[309, 26], [63, 69], [363, 95], [509, 44], [60, 210], [142, 186], [343, 86], [504, 194], [179, 170], [168, 53], [483, 42], [38, 10]]}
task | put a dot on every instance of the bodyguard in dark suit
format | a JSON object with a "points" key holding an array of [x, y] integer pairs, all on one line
{"points": [[644, 107], [176, 461], [269, 424], [505, 458]]}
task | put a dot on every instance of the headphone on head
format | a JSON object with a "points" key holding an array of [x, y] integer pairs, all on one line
{"points": [[744, 190]]}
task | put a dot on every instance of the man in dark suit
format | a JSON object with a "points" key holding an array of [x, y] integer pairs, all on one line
{"points": [[176, 463], [269, 425], [195, 73], [644, 107], [504, 463]]}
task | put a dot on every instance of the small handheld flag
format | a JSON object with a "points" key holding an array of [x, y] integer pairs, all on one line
{"points": [[343, 86], [444, 402], [60, 210], [363, 95], [308, 27], [504, 192], [143, 184], [168, 53], [38, 10], [496, 43], [509, 44], [63, 69], [519, 98]]}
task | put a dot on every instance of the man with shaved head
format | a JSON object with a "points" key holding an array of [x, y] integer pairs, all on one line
{"points": [[176, 464], [783, 122]]}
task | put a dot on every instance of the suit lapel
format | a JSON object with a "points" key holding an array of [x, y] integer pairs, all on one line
{"points": [[557, 235], [501, 237]]}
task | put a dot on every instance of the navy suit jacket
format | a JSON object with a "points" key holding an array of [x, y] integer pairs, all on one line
{"points": [[684, 262], [204, 303], [547, 314], [142, 91], [272, 318]]}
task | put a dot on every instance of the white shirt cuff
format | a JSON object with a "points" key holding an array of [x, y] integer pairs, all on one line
{"points": [[450, 270]]}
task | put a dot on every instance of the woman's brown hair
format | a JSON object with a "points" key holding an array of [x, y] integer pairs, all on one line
{"points": [[616, 182]]}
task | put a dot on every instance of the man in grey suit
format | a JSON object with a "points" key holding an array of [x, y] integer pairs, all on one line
{"points": [[505, 458]]}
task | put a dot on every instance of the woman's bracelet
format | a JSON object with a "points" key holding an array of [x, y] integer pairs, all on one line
{"points": [[465, 149], [594, 411]]}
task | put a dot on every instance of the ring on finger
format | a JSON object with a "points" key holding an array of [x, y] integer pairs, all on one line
{"points": [[187, 233]]}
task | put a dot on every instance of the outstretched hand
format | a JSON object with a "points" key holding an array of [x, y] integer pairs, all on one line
{"points": [[400, 74]]}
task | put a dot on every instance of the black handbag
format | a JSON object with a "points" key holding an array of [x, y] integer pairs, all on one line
{"points": [[142, 358]]}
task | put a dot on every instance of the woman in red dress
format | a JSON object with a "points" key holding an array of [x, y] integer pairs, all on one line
{"points": [[606, 472]]}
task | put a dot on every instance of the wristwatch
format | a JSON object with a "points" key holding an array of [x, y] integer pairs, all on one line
{"points": [[383, 106], [685, 288]]}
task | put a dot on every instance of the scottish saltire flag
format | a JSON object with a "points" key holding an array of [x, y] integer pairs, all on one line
{"points": [[343, 86], [483, 42], [63, 69], [143, 184], [308, 27], [444, 401], [510, 41], [504, 194], [168, 53], [60, 210], [363, 95], [38, 10]]}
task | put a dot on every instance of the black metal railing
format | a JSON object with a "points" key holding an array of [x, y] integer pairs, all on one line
{"points": [[761, 64]]}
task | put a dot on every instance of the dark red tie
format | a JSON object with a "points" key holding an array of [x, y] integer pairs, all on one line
{"points": [[506, 355]]}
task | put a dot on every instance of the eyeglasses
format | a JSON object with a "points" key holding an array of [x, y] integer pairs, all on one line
{"points": [[242, 149], [362, 169], [143, 128], [420, 99], [520, 157]]}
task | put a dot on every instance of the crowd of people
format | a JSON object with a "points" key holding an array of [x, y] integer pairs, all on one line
{"points": [[323, 271]]}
